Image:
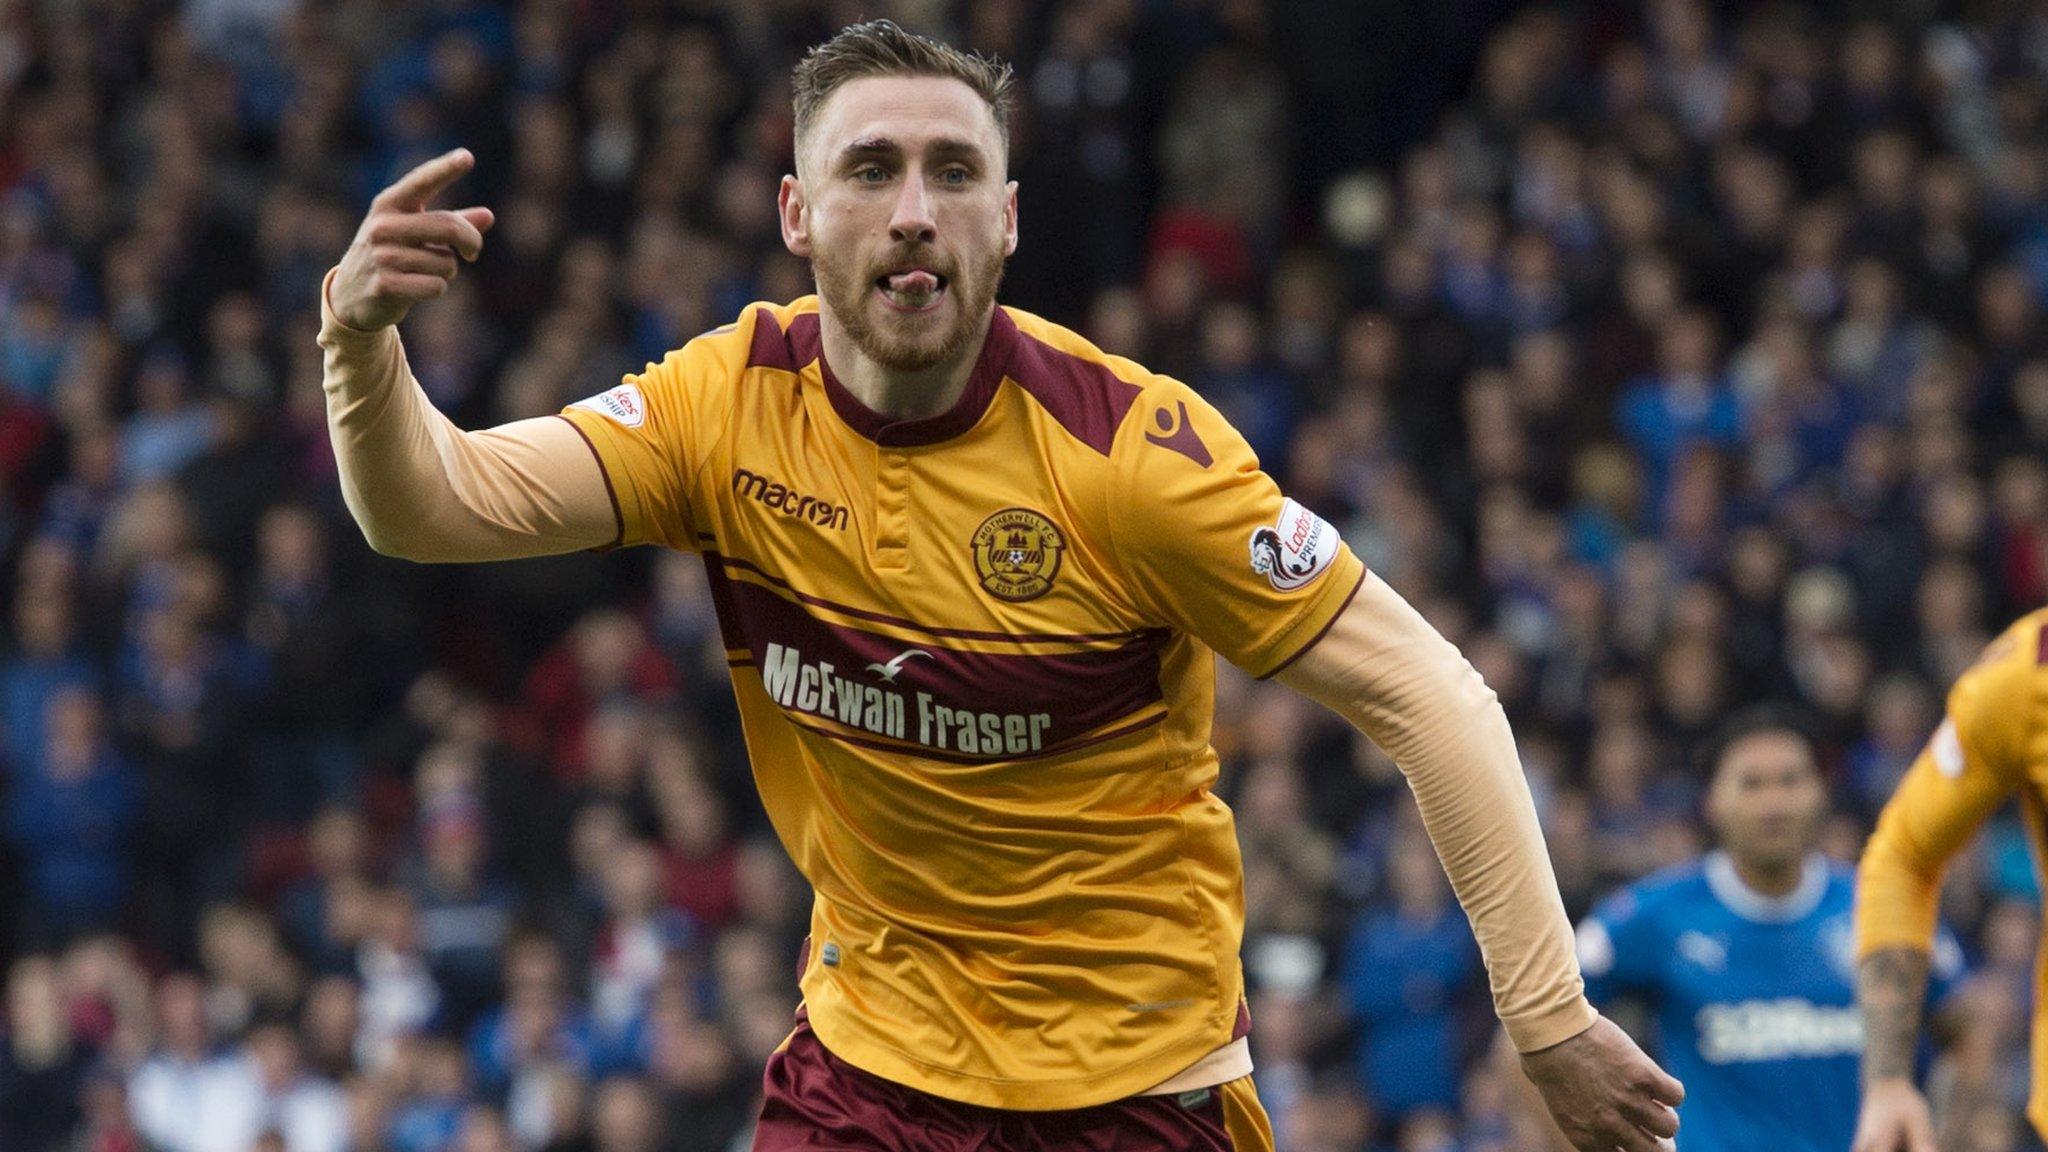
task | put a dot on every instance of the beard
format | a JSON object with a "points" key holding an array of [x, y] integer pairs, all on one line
{"points": [[908, 343]]}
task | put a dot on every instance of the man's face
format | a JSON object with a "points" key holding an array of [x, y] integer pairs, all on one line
{"points": [[1767, 799], [902, 208]]}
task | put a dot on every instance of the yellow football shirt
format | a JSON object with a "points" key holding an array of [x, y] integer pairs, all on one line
{"points": [[972, 654], [1993, 743]]}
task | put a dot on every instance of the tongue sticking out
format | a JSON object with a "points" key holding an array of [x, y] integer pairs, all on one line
{"points": [[913, 283]]}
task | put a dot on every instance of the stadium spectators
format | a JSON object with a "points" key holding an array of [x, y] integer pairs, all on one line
{"points": [[1669, 357]]}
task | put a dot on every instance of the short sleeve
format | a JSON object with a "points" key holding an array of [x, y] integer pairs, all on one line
{"points": [[1617, 950], [1991, 712], [1975, 759], [1210, 546], [645, 433]]}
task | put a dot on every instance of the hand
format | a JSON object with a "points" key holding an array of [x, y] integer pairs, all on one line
{"points": [[403, 253], [1894, 1119], [1604, 1093]]}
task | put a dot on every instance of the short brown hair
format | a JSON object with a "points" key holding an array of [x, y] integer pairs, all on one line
{"points": [[882, 48]]}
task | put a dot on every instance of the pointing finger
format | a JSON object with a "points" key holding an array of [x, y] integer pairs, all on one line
{"points": [[411, 191]]}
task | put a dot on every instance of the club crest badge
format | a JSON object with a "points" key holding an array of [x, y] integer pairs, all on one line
{"points": [[1017, 553]]}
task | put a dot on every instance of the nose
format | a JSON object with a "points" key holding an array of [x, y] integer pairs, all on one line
{"points": [[912, 222]]}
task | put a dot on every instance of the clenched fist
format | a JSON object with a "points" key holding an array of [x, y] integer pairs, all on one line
{"points": [[405, 252]]}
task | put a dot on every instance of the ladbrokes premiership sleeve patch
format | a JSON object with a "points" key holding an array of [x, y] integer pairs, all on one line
{"points": [[638, 429], [623, 404], [1947, 750], [1295, 549]]}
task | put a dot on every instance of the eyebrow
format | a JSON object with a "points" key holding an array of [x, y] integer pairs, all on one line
{"points": [[943, 148]]}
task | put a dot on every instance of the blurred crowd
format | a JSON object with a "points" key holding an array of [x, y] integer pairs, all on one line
{"points": [[1670, 357]]}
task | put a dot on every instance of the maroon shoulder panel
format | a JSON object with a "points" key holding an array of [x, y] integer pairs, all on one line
{"points": [[804, 343], [770, 348], [789, 350], [1087, 399]]}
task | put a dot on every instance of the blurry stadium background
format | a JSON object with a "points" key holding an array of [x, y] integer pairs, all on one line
{"points": [[1669, 356]]}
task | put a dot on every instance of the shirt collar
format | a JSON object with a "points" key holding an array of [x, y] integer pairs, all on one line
{"points": [[1748, 903], [989, 369]]}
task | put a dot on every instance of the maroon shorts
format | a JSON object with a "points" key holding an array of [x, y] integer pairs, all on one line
{"points": [[816, 1102]]}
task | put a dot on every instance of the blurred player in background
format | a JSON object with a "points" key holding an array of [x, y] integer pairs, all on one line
{"points": [[1747, 956], [970, 572], [1992, 745]]}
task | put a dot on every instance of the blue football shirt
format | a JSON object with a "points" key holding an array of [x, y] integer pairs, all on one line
{"points": [[1754, 999]]}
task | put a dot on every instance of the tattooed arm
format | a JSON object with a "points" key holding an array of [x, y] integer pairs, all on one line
{"points": [[1976, 759], [1891, 984]]}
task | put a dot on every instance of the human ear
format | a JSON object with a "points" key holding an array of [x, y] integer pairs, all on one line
{"points": [[1010, 219], [795, 216]]}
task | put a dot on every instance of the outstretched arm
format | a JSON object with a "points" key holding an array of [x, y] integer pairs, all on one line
{"points": [[420, 487], [1385, 669]]}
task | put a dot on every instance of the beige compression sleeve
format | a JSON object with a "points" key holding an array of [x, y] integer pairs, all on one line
{"points": [[1384, 668], [425, 490]]}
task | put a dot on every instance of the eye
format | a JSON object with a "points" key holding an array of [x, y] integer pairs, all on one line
{"points": [[955, 175], [871, 174]]}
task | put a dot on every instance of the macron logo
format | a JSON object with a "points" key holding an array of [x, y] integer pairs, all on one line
{"points": [[1178, 435], [888, 671], [788, 501]]}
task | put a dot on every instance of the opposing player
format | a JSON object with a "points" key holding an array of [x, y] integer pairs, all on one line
{"points": [[970, 572], [1992, 745], [1747, 956]]}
